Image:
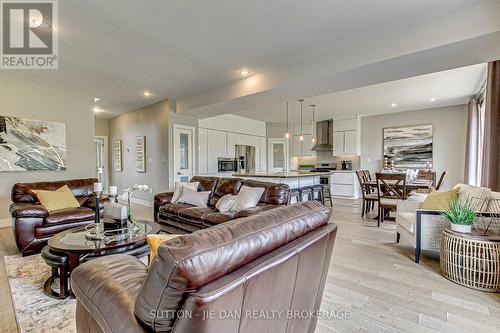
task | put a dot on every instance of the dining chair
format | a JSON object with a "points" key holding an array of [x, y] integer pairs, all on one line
{"points": [[441, 180], [391, 188], [427, 175], [368, 198]]}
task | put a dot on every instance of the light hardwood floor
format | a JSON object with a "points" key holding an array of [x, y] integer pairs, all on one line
{"points": [[371, 279]]}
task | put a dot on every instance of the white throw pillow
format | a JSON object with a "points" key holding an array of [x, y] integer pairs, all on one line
{"points": [[474, 193], [225, 203], [248, 197], [178, 189], [192, 197]]}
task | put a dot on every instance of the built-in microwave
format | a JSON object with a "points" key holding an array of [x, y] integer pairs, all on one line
{"points": [[227, 164]]}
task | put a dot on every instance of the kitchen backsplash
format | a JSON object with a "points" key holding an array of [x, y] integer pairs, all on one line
{"points": [[326, 157]]}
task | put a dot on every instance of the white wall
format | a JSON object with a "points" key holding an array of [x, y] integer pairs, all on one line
{"points": [[151, 121], [449, 125], [25, 100]]}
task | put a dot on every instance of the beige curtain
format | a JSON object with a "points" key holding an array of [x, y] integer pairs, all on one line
{"points": [[474, 148], [490, 175]]}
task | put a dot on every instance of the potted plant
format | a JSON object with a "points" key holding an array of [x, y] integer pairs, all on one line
{"points": [[461, 215]]}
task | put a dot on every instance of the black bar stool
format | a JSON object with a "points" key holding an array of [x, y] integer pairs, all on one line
{"points": [[305, 191], [294, 193], [317, 193], [327, 194]]}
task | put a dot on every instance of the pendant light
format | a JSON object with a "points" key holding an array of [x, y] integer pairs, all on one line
{"points": [[301, 138], [313, 106], [287, 133]]}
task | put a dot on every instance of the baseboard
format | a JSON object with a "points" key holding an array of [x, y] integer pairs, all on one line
{"points": [[142, 202], [5, 223]]}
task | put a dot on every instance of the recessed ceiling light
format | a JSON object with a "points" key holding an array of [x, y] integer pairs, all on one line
{"points": [[147, 93], [394, 105], [244, 72], [97, 99], [432, 99], [97, 110]]}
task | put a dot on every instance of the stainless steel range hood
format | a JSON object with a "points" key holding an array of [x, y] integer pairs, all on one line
{"points": [[323, 140]]}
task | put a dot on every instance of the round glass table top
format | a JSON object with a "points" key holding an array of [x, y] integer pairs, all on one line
{"points": [[84, 239]]}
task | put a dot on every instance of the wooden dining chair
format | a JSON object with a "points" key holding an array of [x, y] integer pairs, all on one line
{"points": [[441, 180], [368, 198], [391, 188]]}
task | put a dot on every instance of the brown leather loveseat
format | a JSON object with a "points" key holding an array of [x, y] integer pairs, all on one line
{"points": [[33, 225], [185, 218], [219, 279]]}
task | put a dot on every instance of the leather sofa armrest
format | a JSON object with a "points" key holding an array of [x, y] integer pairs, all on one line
{"points": [[90, 202], [163, 198], [107, 288], [253, 210], [28, 210]]}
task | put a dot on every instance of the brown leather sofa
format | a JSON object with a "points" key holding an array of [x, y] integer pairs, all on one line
{"points": [[33, 225], [185, 218], [219, 279]]}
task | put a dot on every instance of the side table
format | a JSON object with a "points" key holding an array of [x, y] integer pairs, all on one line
{"points": [[471, 260]]}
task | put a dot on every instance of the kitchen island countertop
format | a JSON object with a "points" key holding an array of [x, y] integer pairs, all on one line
{"points": [[290, 174]]}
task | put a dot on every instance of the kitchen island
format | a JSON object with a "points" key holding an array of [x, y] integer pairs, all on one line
{"points": [[294, 179]]}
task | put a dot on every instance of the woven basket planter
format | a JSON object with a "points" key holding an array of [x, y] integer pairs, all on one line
{"points": [[471, 260]]}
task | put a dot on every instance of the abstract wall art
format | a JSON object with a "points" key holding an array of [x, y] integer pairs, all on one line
{"points": [[410, 147], [32, 145]]}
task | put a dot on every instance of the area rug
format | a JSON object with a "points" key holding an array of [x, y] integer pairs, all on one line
{"points": [[35, 311]]}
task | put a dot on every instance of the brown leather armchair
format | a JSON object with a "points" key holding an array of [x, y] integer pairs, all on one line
{"points": [[33, 225], [185, 218], [273, 261]]}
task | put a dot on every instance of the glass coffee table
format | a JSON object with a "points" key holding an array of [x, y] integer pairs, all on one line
{"points": [[80, 244]]}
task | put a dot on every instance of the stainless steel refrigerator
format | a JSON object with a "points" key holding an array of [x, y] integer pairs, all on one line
{"points": [[245, 156]]}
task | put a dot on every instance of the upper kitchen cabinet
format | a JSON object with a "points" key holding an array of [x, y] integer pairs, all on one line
{"points": [[346, 138], [217, 137]]}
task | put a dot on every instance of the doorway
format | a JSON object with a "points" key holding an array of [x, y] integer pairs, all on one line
{"points": [[183, 148], [278, 155], [101, 147]]}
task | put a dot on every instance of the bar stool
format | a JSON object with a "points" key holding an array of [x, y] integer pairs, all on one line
{"points": [[307, 191], [294, 193], [59, 263], [327, 194], [317, 193]]}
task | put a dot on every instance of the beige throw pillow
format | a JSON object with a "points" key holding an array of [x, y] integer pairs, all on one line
{"points": [[225, 203], [248, 197], [179, 186], [62, 198], [198, 199]]}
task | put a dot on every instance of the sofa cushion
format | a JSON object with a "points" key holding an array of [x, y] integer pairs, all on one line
{"points": [[274, 194], [195, 213], [61, 198], [174, 208], [407, 221], [217, 218], [206, 183], [475, 193], [254, 210], [226, 186], [189, 262], [23, 192], [440, 200], [69, 215]]}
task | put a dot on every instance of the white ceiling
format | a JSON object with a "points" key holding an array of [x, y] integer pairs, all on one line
{"points": [[450, 87], [116, 49]]}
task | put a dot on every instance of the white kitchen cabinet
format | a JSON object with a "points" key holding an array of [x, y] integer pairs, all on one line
{"points": [[202, 150], [231, 142], [221, 144], [345, 137], [212, 164], [344, 184]]}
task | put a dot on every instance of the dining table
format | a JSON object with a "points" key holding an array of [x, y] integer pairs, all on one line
{"points": [[413, 185]]}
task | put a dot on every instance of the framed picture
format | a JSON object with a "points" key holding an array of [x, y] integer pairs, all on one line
{"points": [[409, 147], [140, 153], [117, 155], [32, 145]]}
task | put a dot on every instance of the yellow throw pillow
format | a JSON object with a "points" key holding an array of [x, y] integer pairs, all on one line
{"points": [[440, 200], [55, 200], [154, 242]]}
